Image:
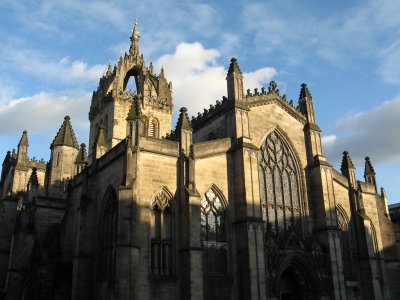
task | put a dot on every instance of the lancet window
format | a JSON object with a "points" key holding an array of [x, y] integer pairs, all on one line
{"points": [[108, 237], [162, 233], [279, 184], [345, 241], [213, 233]]}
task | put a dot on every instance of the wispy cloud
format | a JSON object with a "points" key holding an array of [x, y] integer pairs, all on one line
{"points": [[45, 110], [44, 67]]}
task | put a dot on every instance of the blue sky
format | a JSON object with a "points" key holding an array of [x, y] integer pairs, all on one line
{"points": [[348, 52]]}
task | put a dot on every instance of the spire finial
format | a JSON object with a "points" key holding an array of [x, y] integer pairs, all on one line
{"points": [[135, 38]]}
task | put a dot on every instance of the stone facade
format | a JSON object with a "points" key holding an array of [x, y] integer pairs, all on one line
{"points": [[237, 203]]}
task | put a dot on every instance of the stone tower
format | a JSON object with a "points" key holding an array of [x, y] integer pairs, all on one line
{"points": [[129, 79], [64, 151]]}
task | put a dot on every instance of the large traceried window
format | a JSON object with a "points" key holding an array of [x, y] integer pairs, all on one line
{"points": [[162, 233], [279, 184], [108, 236], [213, 233]]}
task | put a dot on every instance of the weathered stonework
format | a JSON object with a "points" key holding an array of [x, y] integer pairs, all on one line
{"points": [[238, 203]]}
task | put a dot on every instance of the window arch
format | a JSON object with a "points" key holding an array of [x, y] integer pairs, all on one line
{"points": [[279, 184], [153, 127], [108, 234], [162, 233], [345, 241], [213, 232]]}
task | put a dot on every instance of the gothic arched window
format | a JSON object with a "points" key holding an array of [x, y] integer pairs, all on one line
{"points": [[162, 233], [213, 233], [279, 184], [108, 236], [345, 242]]}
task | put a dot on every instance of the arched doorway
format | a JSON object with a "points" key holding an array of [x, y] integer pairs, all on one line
{"points": [[290, 286], [296, 279]]}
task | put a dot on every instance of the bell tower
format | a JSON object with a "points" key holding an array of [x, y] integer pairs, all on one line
{"points": [[130, 79]]}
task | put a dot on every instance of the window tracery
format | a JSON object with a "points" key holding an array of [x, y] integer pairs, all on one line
{"points": [[162, 232], [213, 233], [279, 184]]}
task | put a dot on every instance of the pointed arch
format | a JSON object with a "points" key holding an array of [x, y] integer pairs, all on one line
{"points": [[107, 238], [214, 231], [162, 232], [161, 199], [302, 277], [346, 240], [280, 183], [287, 141], [342, 218]]}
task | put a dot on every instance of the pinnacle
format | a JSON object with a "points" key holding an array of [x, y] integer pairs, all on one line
{"points": [[369, 169], [304, 92], [24, 139], [34, 178], [234, 66], [183, 120], [65, 135], [101, 139], [135, 112], [346, 162], [82, 155]]}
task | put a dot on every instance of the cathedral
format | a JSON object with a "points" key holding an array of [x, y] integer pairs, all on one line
{"points": [[239, 202]]}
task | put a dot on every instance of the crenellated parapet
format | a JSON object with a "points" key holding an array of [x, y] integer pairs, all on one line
{"points": [[272, 94], [214, 110]]}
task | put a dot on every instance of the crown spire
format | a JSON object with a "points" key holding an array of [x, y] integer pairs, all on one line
{"points": [[135, 38]]}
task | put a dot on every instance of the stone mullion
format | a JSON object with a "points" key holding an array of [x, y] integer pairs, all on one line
{"points": [[283, 201], [274, 193], [291, 195], [265, 193]]}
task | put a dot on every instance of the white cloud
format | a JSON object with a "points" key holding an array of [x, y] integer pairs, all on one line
{"points": [[258, 78], [328, 140], [45, 110], [371, 133], [198, 80]]}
